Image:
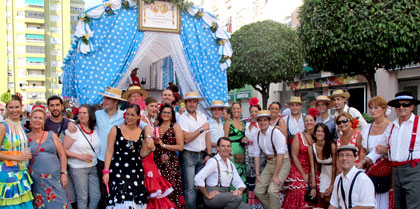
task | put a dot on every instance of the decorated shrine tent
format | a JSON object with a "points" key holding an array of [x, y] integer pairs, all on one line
{"points": [[107, 46]]}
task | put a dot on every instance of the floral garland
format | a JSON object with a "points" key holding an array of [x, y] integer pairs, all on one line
{"points": [[184, 5]]}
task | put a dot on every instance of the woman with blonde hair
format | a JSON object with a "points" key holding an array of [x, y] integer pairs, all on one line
{"points": [[373, 157]]}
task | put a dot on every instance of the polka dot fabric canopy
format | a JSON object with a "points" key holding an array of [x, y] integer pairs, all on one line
{"points": [[105, 46]]}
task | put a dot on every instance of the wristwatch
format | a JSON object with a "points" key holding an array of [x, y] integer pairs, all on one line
{"points": [[65, 172], [201, 130]]}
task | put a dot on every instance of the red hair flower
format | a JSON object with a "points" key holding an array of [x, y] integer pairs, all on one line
{"points": [[355, 122], [253, 101], [313, 112]]}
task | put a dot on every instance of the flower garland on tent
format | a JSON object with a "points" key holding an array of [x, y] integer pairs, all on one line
{"points": [[83, 33]]}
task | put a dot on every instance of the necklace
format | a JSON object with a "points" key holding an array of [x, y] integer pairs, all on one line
{"points": [[380, 123], [91, 131]]}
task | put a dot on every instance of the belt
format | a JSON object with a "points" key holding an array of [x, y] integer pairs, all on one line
{"points": [[412, 162], [270, 157], [194, 151]]}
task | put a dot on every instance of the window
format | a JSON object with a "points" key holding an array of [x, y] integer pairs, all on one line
{"points": [[35, 49], [35, 15], [35, 3], [55, 18], [35, 60], [21, 62], [20, 14], [20, 38], [22, 73], [34, 37], [33, 26], [20, 50]]}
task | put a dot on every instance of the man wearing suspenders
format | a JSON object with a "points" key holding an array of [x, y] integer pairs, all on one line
{"points": [[404, 151], [272, 143], [352, 188], [216, 177]]}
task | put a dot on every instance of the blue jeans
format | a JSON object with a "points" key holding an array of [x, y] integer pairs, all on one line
{"points": [[86, 185], [191, 164]]}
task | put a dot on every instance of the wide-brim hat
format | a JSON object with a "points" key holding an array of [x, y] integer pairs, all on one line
{"points": [[403, 96], [261, 114], [350, 147], [135, 89], [217, 103], [295, 99], [113, 93], [191, 96], [323, 98], [340, 93]]}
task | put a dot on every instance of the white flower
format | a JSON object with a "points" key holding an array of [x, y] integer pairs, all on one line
{"points": [[150, 174]]}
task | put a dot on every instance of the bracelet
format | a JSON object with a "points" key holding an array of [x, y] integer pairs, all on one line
{"points": [[164, 145], [63, 172], [105, 171], [148, 137]]}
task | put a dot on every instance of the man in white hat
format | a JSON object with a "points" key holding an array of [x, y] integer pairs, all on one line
{"points": [[272, 143], [404, 151], [107, 118], [339, 98], [197, 145], [323, 104], [352, 188], [215, 122], [294, 121]]}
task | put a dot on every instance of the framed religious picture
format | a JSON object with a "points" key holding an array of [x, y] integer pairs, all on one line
{"points": [[162, 16]]}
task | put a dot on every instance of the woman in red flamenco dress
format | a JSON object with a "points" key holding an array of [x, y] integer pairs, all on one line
{"points": [[157, 186], [296, 183]]}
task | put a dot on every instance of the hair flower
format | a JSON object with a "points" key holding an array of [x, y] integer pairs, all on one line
{"points": [[6, 97], [108, 8], [355, 122], [253, 101], [313, 112], [125, 4], [214, 27]]}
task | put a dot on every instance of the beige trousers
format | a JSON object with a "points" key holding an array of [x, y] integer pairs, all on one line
{"points": [[266, 191]]}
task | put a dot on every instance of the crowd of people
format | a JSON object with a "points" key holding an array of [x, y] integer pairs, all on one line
{"points": [[134, 151]]}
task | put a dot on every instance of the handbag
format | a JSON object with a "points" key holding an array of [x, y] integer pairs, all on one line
{"points": [[239, 158], [308, 198], [380, 173]]}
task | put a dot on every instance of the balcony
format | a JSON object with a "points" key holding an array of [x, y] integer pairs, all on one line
{"points": [[38, 31], [35, 77], [41, 89]]}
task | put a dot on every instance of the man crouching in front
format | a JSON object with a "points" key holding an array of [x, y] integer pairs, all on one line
{"points": [[219, 173]]}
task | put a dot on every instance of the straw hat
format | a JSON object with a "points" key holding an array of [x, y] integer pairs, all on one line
{"points": [[112, 93], [262, 113], [192, 95], [403, 96], [322, 98], [350, 147], [295, 99], [340, 93], [215, 104], [135, 89]]}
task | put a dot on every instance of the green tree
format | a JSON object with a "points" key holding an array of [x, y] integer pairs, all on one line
{"points": [[264, 52], [358, 37]]}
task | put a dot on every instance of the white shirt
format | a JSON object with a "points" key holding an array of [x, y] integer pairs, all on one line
{"points": [[294, 125], [210, 174], [81, 146], [216, 131], [189, 124], [401, 138], [363, 193], [252, 138], [1, 118], [374, 140], [354, 113], [264, 143]]}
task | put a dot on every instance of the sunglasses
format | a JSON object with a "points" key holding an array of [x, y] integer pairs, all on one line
{"points": [[407, 104], [342, 121]]}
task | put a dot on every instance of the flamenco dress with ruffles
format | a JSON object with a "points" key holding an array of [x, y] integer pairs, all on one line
{"points": [[157, 186], [15, 181], [126, 178], [235, 136], [294, 185], [169, 168]]}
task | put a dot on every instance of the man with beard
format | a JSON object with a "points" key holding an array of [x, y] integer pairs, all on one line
{"points": [[58, 124], [197, 145]]}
